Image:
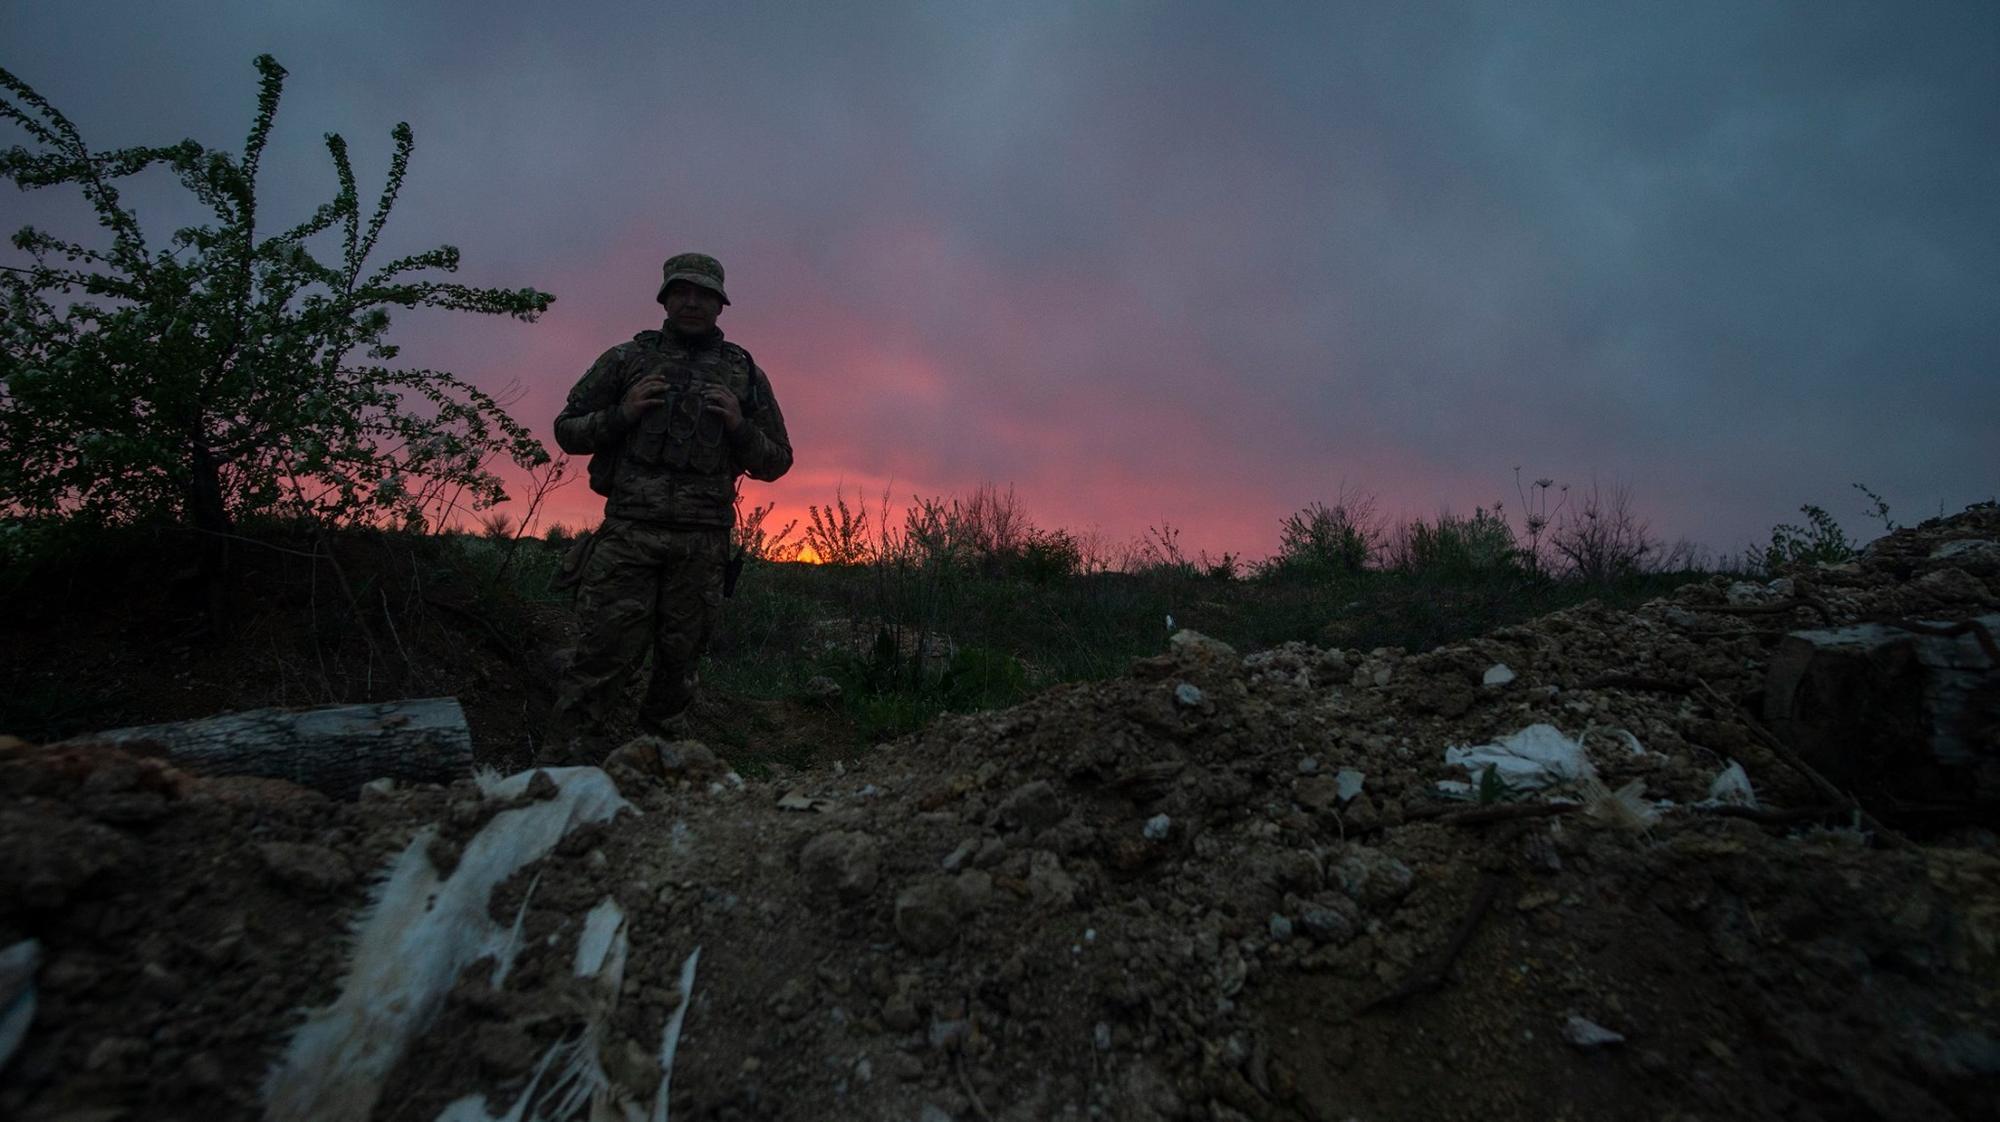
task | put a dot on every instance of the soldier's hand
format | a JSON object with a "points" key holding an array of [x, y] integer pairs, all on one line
{"points": [[643, 396], [718, 399]]}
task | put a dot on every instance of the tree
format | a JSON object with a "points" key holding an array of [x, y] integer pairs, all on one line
{"points": [[216, 377]]}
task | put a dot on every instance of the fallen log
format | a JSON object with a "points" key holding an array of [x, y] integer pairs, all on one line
{"points": [[333, 749], [1895, 712]]}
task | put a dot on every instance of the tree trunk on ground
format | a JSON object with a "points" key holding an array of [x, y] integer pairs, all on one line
{"points": [[333, 749], [1897, 716]]}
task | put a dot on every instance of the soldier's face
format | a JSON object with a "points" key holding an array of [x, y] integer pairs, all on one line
{"points": [[692, 308]]}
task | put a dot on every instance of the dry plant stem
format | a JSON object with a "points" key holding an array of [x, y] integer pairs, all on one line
{"points": [[1431, 975], [1784, 752], [978, 1107], [1782, 607], [1446, 816], [1979, 632]]}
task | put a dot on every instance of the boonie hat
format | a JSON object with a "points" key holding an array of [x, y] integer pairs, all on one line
{"points": [[694, 268]]}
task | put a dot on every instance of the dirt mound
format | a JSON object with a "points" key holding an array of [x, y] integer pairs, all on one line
{"points": [[1219, 887]]}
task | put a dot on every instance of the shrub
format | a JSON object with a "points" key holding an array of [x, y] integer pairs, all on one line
{"points": [[1324, 541], [214, 379], [1602, 539], [1049, 555], [838, 535], [1455, 546], [1820, 540]]}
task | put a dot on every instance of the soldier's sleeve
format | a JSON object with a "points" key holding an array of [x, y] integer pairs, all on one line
{"points": [[590, 421], [762, 447]]}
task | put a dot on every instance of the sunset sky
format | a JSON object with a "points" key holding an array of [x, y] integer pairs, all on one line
{"points": [[1195, 262]]}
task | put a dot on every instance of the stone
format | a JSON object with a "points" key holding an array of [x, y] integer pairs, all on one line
{"points": [[1334, 922], [1195, 647], [1188, 695], [1032, 807], [1497, 675], [975, 890], [1157, 827], [845, 863], [1588, 1035], [1048, 884], [927, 916], [314, 869], [1374, 877]]}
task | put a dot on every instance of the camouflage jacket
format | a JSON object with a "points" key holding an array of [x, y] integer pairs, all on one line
{"points": [[687, 478]]}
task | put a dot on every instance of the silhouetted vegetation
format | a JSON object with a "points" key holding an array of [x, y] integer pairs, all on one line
{"points": [[234, 372]]}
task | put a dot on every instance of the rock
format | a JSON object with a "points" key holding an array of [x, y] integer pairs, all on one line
{"points": [[1048, 885], [957, 857], [1335, 921], [1157, 827], [1974, 555], [1188, 695], [1347, 783], [541, 787], [1308, 766], [975, 890], [1193, 646], [846, 863], [1374, 877], [1497, 675], [1317, 792], [313, 869], [900, 1013], [671, 760], [927, 916], [1588, 1035], [1281, 928], [1032, 807], [822, 690]]}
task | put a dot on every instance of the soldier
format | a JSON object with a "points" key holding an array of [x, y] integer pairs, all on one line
{"points": [[670, 420]]}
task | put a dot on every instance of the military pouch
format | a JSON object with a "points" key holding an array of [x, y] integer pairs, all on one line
{"points": [[730, 572], [569, 572]]}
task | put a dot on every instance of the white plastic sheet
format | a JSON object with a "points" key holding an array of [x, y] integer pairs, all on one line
{"points": [[420, 933]]}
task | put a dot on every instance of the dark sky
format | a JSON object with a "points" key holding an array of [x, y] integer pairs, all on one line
{"points": [[1203, 262]]}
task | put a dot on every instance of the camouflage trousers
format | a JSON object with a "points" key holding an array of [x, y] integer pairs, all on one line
{"points": [[642, 584]]}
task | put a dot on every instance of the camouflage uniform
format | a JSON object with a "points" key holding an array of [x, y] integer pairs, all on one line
{"points": [[654, 572]]}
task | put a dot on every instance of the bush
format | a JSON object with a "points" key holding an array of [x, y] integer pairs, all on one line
{"points": [[1602, 538], [1322, 541], [1047, 556], [1820, 540], [1455, 546], [214, 379]]}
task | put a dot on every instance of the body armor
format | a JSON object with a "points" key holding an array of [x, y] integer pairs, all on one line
{"points": [[674, 466]]}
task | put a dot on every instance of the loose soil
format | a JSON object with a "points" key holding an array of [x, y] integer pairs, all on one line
{"points": [[1156, 897]]}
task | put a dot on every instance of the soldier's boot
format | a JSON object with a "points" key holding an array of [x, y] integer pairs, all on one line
{"points": [[573, 740]]}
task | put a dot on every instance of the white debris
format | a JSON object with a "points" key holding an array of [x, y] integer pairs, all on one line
{"points": [[18, 964], [1347, 783], [1497, 675], [1536, 756], [1588, 1034], [1188, 694], [1731, 787], [1157, 827], [421, 931]]}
